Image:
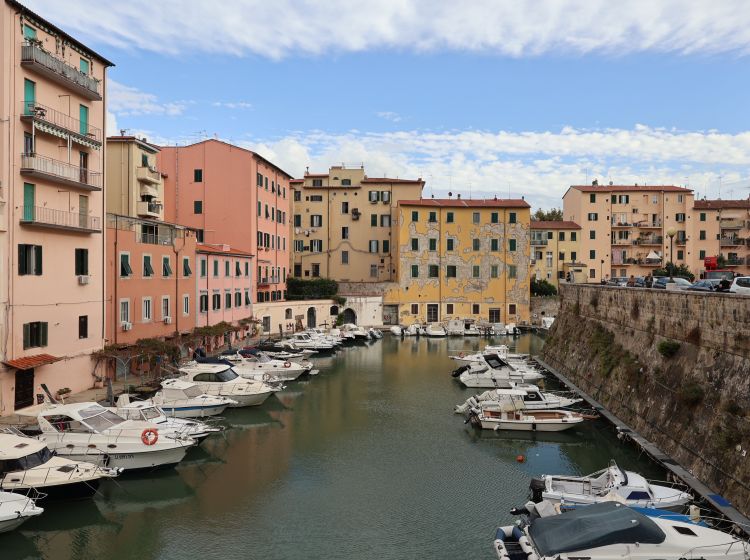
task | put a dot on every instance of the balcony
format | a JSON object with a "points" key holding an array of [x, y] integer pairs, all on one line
{"points": [[680, 242], [619, 224], [267, 281], [40, 61], [43, 217], [732, 224], [731, 241], [49, 169], [653, 240], [539, 242], [648, 225], [148, 175], [621, 242], [46, 119], [148, 209], [735, 261]]}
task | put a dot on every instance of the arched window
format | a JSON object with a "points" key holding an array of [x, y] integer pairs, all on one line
{"points": [[334, 310], [288, 313]]}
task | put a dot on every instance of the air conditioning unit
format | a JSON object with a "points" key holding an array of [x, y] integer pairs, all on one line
{"points": [[126, 325], [83, 280], [152, 168], [167, 320]]}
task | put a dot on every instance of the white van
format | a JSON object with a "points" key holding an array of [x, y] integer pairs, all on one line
{"points": [[741, 285]]}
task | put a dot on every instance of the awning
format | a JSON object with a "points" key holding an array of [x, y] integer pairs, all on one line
{"points": [[653, 255], [31, 362], [148, 190]]}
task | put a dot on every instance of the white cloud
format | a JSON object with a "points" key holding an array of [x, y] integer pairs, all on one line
{"points": [[125, 100], [508, 27], [233, 104], [389, 116]]}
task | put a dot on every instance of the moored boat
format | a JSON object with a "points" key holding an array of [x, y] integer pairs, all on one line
{"points": [[184, 399], [509, 414], [15, 509]]}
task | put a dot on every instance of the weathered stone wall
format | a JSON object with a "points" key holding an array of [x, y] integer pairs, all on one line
{"points": [[695, 404], [365, 288], [544, 306]]}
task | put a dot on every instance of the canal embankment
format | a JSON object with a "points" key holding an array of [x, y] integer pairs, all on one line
{"points": [[671, 365]]}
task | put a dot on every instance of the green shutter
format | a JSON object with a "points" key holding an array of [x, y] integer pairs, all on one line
{"points": [[29, 97], [84, 118], [26, 335], [29, 199], [29, 32], [43, 334], [23, 267], [38, 260]]}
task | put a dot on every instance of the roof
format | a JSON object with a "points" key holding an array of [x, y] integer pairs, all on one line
{"points": [[630, 188], [296, 181], [15, 447], [389, 180], [153, 148], [467, 203], [31, 362], [548, 224], [721, 204], [221, 250], [24, 10]]}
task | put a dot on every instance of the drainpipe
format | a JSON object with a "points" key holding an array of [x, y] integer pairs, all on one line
{"points": [[115, 301]]}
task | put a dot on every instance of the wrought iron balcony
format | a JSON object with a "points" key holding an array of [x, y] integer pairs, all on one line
{"points": [[731, 241], [735, 261], [47, 119], [148, 175], [41, 216], [538, 241], [654, 240], [268, 280], [36, 58], [50, 169]]}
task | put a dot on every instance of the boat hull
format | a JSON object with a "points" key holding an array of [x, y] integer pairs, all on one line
{"points": [[255, 399], [135, 461], [193, 411], [78, 490]]}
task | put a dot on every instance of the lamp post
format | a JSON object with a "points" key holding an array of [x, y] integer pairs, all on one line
{"points": [[671, 232], [601, 272]]}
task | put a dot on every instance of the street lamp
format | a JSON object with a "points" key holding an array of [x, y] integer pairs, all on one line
{"points": [[601, 272], [671, 232]]}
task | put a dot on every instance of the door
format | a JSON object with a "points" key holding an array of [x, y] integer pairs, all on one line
{"points": [[84, 118], [29, 196], [267, 324], [83, 211], [29, 97], [350, 316], [311, 318], [390, 314], [24, 388], [432, 312], [83, 165], [28, 144]]}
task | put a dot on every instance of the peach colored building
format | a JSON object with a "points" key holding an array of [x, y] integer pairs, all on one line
{"points": [[134, 184], [555, 252], [51, 207], [720, 229], [151, 279], [625, 228], [233, 196]]}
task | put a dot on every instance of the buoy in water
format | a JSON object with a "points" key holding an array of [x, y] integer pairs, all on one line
{"points": [[521, 459]]}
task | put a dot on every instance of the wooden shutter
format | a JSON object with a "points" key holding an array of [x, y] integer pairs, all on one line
{"points": [[38, 260], [23, 268], [43, 334], [26, 335]]}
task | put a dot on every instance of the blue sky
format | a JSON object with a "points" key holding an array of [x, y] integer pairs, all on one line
{"points": [[502, 97]]}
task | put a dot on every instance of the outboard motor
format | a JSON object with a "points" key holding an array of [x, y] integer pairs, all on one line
{"points": [[459, 371], [537, 486], [199, 352]]}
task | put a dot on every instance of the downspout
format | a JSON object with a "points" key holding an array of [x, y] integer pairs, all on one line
{"points": [[115, 301], [104, 213], [505, 262], [177, 310]]}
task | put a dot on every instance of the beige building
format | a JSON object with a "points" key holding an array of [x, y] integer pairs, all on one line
{"points": [[344, 224], [625, 229], [134, 184], [720, 236], [556, 251]]}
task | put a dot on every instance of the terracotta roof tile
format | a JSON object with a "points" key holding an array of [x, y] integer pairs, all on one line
{"points": [[630, 188], [31, 362], [388, 180], [721, 204], [467, 203], [219, 249], [545, 224]]}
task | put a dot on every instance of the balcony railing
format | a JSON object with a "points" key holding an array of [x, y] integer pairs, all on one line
{"points": [[42, 216], [538, 241], [647, 224], [81, 132], [736, 261], [732, 224], [621, 242], [34, 56], [60, 172], [268, 280], [153, 238], [656, 240], [731, 241], [148, 175]]}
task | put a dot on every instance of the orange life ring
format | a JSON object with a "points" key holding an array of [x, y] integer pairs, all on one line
{"points": [[150, 436], [287, 364]]}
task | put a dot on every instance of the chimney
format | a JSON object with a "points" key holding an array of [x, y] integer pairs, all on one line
{"points": [[595, 183], [450, 194], [459, 196]]}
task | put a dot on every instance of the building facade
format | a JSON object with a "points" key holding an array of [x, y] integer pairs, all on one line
{"points": [[345, 224], [232, 196], [720, 232], [556, 248], [461, 259], [630, 229], [134, 184], [51, 208]]}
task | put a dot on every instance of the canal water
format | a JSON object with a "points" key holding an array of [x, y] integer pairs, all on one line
{"points": [[364, 461]]}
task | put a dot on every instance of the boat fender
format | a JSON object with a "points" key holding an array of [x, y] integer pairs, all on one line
{"points": [[461, 355], [287, 364], [150, 436]]}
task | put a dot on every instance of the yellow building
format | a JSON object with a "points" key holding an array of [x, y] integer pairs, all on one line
{"points": [[556, 251], [461, 259], [625, 229], [134, 184], [720, 233], [343, 224]]}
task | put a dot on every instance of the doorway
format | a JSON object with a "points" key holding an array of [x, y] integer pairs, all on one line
{"points": [[432, 312], [350, 316], [311, 318], [24, 388]]}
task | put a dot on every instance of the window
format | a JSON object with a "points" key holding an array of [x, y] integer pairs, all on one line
{"points": [[197, 175], [186, 304], [148, 270], [415, 309], [316, 270], [316, 245], [494, 218], [592, 254], [573, 236], [186, 272], [475, 271], [511, 309], [316, 220], [680, 255], [494, 244], [475, 308], [297, 196], [166, 268], [83, 326], [702, 255], [561, 236], [414, 216], [82, 262], [374, 246], [415, 244], [29, 260], [703, 216], [386, 246], [494, 271], [680, 217], [299, 245], [475, 217], [165, 307], [450, 271], [432, 271], [511, 244], [592, 273], [237, 268], [227, 268], [592, 198], [592, 234], [83, 118], [238, 298], [317, 182], [373, 220], [297, 220], [512, 271], [573, 256], [247, 297], [203, 303], [701, 235], [593, 216], [494, 315], [432, 217], [373, 196], [316, 198], [432, 243], [561, 256], [549, 259], [373, 271], [146, 314], [385, 196], [344, 257], [216, 268], [415, 271], [344, 232], [448, 217], [449, 244], [449, 308], [385, 220], [29, 32], [216, 301], [34, 334], [199, 235], [265, 183], [345, 207], [512, 217], [475, 244], [346, 182], [550, 235], [204, 268]]}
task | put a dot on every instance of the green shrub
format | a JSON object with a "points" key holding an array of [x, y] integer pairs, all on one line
{"points": [[542, 288], [316, 288], [668, 348], [691, 393]]}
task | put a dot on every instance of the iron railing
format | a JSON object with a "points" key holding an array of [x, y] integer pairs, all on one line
{"points": [[60, 169], [538, 241], [154, 238], [268, 280], [48, 115], [655, 240], [32, 52], [60, 218]]}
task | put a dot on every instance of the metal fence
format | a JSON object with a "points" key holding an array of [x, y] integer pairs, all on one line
{"points": [[60, 218], [31, 52], [61, 169]]}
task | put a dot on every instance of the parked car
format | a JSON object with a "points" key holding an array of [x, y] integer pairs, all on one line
{"points": [[705, 286], [618, 281], [661, 283], [741, 285]]}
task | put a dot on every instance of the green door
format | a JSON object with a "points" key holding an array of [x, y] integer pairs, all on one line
{"points": [[29, 97], [84, 120], [29, 192]]}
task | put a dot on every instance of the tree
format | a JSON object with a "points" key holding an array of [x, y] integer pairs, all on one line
{"points": [[553, 215], [680, 271], [542, 288]]}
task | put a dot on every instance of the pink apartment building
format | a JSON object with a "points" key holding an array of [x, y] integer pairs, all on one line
{"points": [[232, 195], [51, 208]]}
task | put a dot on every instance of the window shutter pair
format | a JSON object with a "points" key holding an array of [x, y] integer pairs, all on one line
{"points": [[148, 270], [167, 268], [186, 268]]}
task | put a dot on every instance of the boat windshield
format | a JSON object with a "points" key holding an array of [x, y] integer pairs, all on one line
{"points": [[263, 358], [226, 375], [27, 462], [494, 361], [193, 391], [150, 413], [103, 421]]}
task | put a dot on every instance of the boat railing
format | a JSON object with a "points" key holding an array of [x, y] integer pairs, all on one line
{"points": [[108, 440], [672, 484], [41, 475]]}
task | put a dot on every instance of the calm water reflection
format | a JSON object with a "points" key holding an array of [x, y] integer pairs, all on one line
{"points": [[364, 461]]}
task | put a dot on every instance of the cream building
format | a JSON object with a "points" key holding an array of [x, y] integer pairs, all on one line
{"points": [[344, 224], [720, 236], [134, 184], [556, 252], [625, 229]]}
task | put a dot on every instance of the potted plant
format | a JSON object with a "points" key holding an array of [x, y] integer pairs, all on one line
{"points": [[61, 393]]}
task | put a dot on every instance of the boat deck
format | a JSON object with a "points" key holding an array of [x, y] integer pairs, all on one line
{"points": [[719, 503]]}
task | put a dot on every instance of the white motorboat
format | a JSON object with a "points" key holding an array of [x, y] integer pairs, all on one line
{"points": [[608, 484], [306, 342], [395, 330], [169, 426], [454, 327], [288, 348], [298, 357], [547, 323], [512, 330], [613, 531], [508, 413], [491, 371], [375, 334], [15, 509], [254, 367], [27, 463], [434, 330], [183, 399], [89, 432], [358, 332], [221, 380], [533, 399], [470, 329], [413, 330]]}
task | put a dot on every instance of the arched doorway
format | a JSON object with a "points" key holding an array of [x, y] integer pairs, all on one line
{"points": [[350, 316], [310, 317]]}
